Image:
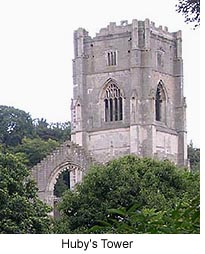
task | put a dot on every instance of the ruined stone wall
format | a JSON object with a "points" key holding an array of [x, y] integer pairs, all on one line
{"points": [[69, 156]]}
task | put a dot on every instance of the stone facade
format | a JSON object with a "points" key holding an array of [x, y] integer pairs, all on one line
{"points": [[128, 92], [68, 157]]}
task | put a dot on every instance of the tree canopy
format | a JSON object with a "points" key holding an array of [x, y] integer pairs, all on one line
{"points": [[34, 150], [21, 211], [149, 186], [15, 124], [194, 157], [25, 140], [128, 195], [56, 131], [190, 9], [32, 139]]}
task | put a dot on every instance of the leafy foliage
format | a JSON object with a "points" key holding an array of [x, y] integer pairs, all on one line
{"points": [[153, 188], [28, 138], [183, 219], [62, 184], [15, 124], [31, 140], [194, 157], [56, 131], [20, 209], [191, 10], [35, 149]]}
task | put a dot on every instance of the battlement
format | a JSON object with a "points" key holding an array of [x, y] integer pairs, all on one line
{"points": [[164, 31], [159, 28], [113, 28], [139, 32], [124, 27]]}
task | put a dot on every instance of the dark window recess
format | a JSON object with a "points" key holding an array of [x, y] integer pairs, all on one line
{"points": [[116, 109], [160, 104], [113, 103], [112, 58], [106, 110], [120, 101]]}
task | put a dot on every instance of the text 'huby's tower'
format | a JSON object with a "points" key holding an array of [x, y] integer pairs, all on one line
{"points": [[128, 92]]}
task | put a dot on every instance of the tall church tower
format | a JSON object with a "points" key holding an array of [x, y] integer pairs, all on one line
{"points": [[128, 92]]}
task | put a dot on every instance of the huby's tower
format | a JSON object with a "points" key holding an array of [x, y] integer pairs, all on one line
{"points": [[128, 92]]}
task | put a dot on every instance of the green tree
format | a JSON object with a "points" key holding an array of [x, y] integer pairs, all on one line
{"points": [[62, 184], [190, 9], [15, 124], [184, 218], [61, 131], [35, 149], [20, 209], [194, 157], [150, 185], [56, 131]]}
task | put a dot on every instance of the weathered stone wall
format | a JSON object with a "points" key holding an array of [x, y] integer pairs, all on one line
{"points": [[70, 157], [146, 55], [166, 144], [109, 144]]}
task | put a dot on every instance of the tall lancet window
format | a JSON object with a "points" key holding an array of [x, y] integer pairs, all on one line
{"points": [[111, 58], [160, 104], [113, 103]]}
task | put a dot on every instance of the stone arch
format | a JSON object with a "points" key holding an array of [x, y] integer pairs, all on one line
{"points": [[75, 169], [162, 84], [106, 84], [69, 156]]}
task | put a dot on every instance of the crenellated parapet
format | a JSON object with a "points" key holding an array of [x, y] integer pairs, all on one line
{"points": [[113, 28], [137, 27], [148, 26]]}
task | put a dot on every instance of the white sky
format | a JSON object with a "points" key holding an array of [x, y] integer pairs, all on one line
{"points": [[36, 50]]}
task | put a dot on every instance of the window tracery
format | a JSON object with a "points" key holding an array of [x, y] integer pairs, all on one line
{"points": [[113, 103]]}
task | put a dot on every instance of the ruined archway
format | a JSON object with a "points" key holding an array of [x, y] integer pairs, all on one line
{"points": [[69, 156]]}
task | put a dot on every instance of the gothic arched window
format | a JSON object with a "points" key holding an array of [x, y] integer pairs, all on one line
{"points": [[113, 103], [160, 103]]}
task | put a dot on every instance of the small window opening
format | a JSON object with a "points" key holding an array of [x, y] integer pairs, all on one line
{"points": [[112, 58]]}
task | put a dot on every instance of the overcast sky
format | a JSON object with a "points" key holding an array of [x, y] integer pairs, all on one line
{"points": [[36, 50]]}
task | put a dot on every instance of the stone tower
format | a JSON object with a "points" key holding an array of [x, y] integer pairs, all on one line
{"points": [[128, 92]]}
